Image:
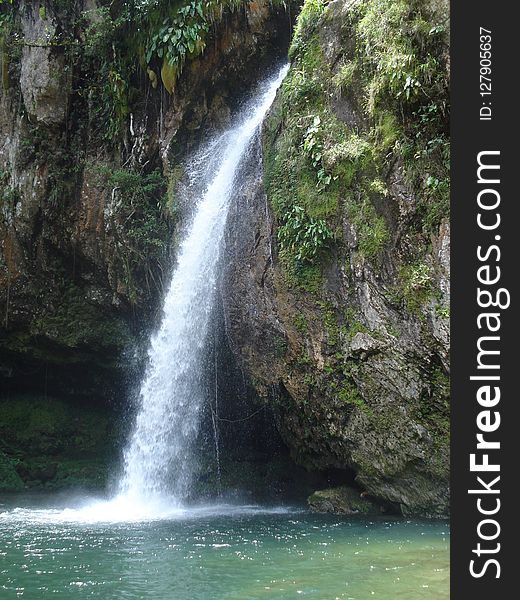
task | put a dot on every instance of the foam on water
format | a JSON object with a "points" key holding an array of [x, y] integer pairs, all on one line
{"points": [[119, 510]]}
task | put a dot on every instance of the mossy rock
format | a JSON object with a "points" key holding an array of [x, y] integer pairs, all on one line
{"points": [[81, 473], [46, 426], [10, 481], [342, 500]]}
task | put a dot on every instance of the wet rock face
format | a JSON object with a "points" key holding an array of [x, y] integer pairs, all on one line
{"points": [[377, 427], [44, 77], [354, 355]]}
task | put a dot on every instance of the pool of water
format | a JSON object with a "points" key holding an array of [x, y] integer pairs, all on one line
{"points": [[219, 553]]}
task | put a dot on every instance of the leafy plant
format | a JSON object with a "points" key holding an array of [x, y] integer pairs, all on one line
{"points": [[308, 18], [313, 147], [180, 36], [302, 236], [416, 285]]}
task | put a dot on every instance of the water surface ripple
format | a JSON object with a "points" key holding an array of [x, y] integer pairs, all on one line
{"points": [[222, 553]]}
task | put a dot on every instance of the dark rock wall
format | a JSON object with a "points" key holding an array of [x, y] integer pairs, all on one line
{"points": [[86, 218]]}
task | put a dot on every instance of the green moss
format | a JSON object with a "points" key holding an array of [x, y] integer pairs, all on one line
{"points": [[313, 160], [330, 322], [440, 381], [88, 473], [300, 322], [416, 285], [302, 276], [301, 169], [341, 387], [341, 500], [53, 443], [140, 224], [47, 426], [372, 230], [10, 481], [344, 75], [353, 326], [302, 362], [386, 132], [306, 24], [406, 84], [279, 346], [75, 322], [442, 311]]}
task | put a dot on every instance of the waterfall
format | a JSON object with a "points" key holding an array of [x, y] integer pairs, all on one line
{"points": [[159, 457]]}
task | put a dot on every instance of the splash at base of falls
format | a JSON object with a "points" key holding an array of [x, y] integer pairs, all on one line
{"points": [[122, 510]]}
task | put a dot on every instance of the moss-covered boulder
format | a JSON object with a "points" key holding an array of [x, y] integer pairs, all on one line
{"points": [[10, 481], [341, 500]]}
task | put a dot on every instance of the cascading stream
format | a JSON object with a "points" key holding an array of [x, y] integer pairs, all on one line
{"points": [[158, 460]]}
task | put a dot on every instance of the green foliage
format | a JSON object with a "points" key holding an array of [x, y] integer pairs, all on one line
{"points": [[306, 23], [443, 311], [372, 231], [416, 285], [302, 236], [305, 276], [353, 326], [280, 346], [401, 56], [300, 322], [106, 53], [344, 76], [398, 52], [177, 31], [348, 394], [142, 200], [180, 36], [139, 223], [313, 147], [300, 176]]}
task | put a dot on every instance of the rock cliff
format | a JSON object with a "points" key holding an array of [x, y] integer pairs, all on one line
{"points": [[335, 295], [337, 286]]}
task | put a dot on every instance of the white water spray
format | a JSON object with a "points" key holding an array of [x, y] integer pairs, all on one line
{"points": [[158, 460]]}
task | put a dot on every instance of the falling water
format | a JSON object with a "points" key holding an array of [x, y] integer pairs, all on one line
{"points": [[215, 418], [158, 460]]}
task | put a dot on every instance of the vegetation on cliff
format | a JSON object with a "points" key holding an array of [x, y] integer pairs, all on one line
{"points": [[356, 170]]}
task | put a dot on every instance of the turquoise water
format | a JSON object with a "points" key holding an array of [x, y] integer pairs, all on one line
{"points": [[217, 553]]}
